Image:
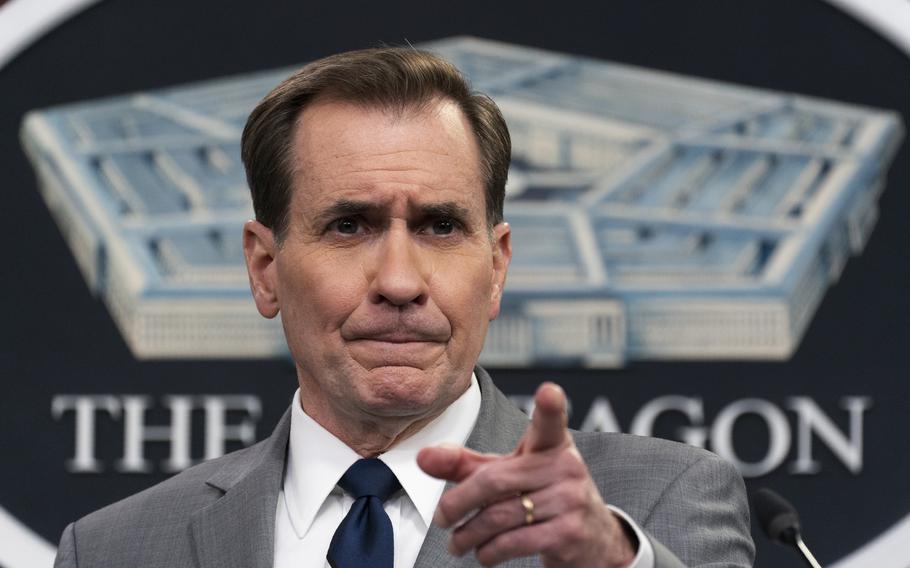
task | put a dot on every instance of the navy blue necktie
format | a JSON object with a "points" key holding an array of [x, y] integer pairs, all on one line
{"points": [[364, 538]]}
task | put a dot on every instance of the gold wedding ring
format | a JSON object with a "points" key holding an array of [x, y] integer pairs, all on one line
{"points": [[528, 506]]}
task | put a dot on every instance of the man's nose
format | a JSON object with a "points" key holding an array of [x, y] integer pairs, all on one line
{"points": [[400, 276]]}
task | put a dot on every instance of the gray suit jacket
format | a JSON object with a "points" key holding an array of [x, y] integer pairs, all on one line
{"points": [[222, 513]]}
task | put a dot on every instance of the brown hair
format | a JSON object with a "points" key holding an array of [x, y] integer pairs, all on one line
{"points": [[391, 78]]}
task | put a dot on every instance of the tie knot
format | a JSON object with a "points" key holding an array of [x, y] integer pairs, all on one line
{"points": [[369, 478]]}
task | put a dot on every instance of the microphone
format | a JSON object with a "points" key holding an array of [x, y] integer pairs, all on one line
{"points": [[780, 522]]}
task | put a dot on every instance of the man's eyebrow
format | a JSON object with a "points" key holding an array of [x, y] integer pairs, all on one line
{"points": [[353, 208], [347, 208], [445, 209]]}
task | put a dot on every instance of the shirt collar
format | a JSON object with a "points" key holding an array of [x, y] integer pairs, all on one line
{"points": [[317, 459]]}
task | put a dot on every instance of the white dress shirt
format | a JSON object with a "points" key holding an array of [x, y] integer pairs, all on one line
{"points": [[311, 505]]}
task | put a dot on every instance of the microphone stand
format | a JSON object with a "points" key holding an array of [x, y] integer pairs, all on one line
{"points": [[807, 555]]}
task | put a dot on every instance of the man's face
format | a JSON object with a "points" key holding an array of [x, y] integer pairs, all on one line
{"points": [[389, 273]]}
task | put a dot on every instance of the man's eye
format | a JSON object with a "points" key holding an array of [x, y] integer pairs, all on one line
{"points": [[443, 226], [347, 226]]}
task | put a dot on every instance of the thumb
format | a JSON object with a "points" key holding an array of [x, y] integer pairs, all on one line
{"points": [[549, 422], [451, 462]]}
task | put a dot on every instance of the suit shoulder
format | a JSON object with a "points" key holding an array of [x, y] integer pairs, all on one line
{"points": [[171, 500], [634, 472], [153, 528], [689, 500], [640, 450]]}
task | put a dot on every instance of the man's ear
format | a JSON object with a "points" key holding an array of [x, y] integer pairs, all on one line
{"points": [[259, 250], [502, 256]]}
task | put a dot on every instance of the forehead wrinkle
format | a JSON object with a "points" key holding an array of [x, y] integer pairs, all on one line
{"points": [[393, 153], [367, 165], [426, 150], [326, 169], [382, 181]]}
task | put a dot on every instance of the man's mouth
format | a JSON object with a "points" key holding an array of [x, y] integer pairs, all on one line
{"points": [[398, 337], [396, 348]]}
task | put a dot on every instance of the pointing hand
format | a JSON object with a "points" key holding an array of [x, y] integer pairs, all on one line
{"points": [[539, 499]]}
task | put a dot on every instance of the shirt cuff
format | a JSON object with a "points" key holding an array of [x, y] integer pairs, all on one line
{"points": [[644, 558]]}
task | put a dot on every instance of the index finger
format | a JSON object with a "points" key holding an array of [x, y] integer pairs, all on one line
{"points": [[549, 422], [450, 462]]}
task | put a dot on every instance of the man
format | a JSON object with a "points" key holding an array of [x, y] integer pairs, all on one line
{"points": [[378, 184]]}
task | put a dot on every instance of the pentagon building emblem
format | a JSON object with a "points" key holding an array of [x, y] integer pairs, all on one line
{"points": [[655, 216]]}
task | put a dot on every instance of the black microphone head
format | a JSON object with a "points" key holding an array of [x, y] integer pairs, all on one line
{"points": [[776, 515]]}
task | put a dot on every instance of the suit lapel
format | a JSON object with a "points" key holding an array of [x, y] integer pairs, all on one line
{"points": [[238, 530], [499, 427]]}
